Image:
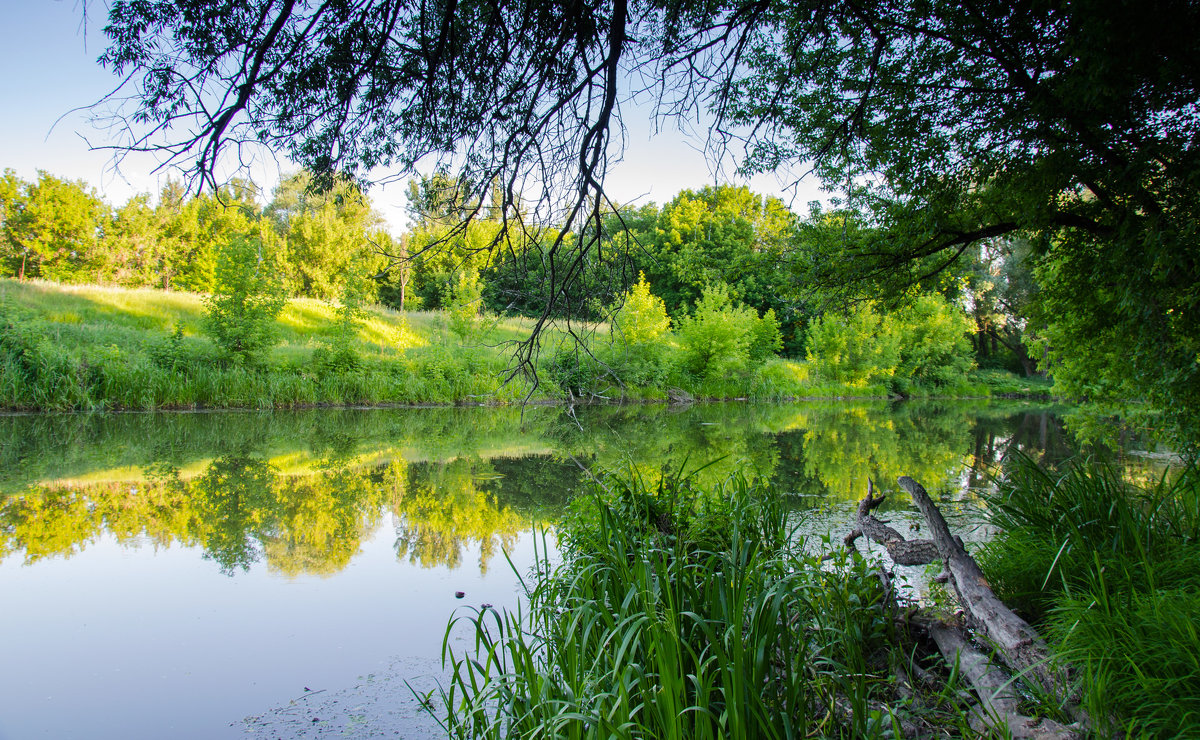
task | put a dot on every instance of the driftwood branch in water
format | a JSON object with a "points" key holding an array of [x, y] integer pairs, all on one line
{"points": [[902, 551], [1020, 645]]}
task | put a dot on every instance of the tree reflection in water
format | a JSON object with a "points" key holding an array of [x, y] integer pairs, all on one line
{"points": [[455, 482]]}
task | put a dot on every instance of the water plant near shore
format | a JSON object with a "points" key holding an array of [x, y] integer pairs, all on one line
{"points": [[687, 612], [1111, 570]]}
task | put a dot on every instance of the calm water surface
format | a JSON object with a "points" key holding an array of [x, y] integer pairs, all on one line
{"points": [[292, 574]]}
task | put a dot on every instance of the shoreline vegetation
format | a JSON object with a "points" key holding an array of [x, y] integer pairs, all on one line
{"points": [[683, 610], [99, 348]]}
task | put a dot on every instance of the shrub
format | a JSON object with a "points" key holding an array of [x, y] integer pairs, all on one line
{"points": [[719, 338], [463, 299], [934, 349], [855, 348], [247, 297], [642, 316], [922, 345]]}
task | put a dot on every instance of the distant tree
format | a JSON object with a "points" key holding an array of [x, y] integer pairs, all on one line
{"points": [[720, 234], [131, 249], [999, 286], [53, 228], [393, 279], [324, 233]]}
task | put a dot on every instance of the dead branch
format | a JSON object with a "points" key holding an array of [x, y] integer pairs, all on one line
{"points": [[902, 551], [1017, 642]]}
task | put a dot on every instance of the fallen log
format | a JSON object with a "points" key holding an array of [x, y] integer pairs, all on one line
{"points": [[999, 702], [1022, 649]]}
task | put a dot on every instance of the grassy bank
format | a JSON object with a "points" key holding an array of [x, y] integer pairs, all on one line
{"points": [[90, 347], [1110, 571]]}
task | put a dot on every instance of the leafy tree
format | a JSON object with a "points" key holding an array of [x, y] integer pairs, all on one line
{"points": [[323, 233], [932, 335], [720, 337], [392, 281], [642, 316], [198, 229], [856, 347], [53, 228], [719, 234], [247, 297], [130, 249]]}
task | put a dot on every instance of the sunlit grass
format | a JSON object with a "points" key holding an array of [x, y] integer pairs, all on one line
{"points": [[94, 347]]}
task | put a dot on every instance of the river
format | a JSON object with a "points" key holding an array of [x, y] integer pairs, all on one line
{"points": [[287, 574]]}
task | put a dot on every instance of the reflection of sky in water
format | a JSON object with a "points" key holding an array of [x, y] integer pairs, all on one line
{"points": [[123, 643], [148, 638]]}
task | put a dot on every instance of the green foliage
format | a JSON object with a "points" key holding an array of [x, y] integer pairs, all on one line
{"points": [[921, 346], [935, 352], [1112, 570], [51, 228], [641, 319], [720, 338], [462, 297], [855, 348], [324, 231], [722, 234], [674, 614], [247, 298]]}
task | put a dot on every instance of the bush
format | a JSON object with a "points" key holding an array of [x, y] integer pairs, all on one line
{"points": [[719, 338], [923, 345], [934, 349], [463, 299], [642, 316], [856, 348], [247, 297]]}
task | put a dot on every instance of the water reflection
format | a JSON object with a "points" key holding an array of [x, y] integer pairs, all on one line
{"points": [[301, 492]]}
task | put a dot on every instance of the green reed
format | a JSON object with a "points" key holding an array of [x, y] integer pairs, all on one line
{"points": [[1111, 570], [680, 612]]}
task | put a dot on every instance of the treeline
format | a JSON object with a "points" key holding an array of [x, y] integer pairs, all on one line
{"points": [[63, 231], [713, 252]]}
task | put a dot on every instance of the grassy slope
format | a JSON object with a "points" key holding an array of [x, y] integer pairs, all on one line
{"points": [[91, 347]]}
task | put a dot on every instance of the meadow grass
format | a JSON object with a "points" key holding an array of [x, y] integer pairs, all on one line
{"points": [[91, 347], [1111, 571]]}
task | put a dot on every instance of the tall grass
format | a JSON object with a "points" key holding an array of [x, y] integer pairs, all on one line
{"points": [[679, 612], [1112, 572]]}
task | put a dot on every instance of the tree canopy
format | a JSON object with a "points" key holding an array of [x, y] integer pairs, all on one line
{"points": [[943, 124]]}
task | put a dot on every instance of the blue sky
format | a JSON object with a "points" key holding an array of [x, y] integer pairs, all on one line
{"points": [[49, 55]]}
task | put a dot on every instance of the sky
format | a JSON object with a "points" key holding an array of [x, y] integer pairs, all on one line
{"points": [[49, 56]]}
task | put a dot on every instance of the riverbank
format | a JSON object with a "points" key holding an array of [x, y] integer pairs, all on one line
{"points": [[104, 348]]}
